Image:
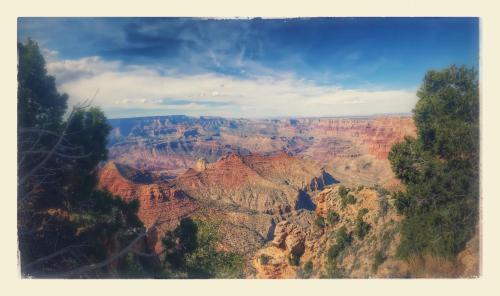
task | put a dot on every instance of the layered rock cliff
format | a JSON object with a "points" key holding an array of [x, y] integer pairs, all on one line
{"points": [[271, 184], [244, 192], [172, 144]]}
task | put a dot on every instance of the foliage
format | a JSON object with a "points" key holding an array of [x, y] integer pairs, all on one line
{"points": [[348, 199], [64, 222], [342, 237], [383, 206], [378, 259], [381, 190], [264, 259], [440, 167], [343, 240], [308, 268], [136, 267], [343, 191], [362, 213], [293, 260], [192, 250], [332, 217], [319, 221], [361, 228], [306, 271], [39, 103]]}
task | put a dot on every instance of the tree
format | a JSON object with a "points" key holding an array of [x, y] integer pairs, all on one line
{"points": [[40, 105], [440, 167], [65, 224]]}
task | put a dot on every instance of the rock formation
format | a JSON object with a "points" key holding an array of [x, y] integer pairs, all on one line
{"points": [[158, 202], [256, 182], [172, 144]]}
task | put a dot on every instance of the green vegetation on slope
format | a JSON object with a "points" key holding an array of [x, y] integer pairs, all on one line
{"points": [[192, 251]]}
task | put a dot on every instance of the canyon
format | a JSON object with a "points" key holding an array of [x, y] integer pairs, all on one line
{"points": [[354, 150], [267, 182]]}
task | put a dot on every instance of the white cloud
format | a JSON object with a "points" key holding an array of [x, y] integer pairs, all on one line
{"points": [[267, 95]]}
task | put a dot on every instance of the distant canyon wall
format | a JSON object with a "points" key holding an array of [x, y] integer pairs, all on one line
{"points": [[172, 144]]}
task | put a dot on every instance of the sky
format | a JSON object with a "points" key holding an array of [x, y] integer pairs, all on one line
{"points": [[252, 68]]}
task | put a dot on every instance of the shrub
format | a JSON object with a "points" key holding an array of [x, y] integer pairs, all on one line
{"points": [[334, 251], [293, 260], [264, 259], [378, 260], [362, 228], [343, 191], [332, 217], [342, 237], [320, 221], [383, 206], [350, 199], [343, 240], [381, 190], [306, 271], [362, 213], [308, 267]]}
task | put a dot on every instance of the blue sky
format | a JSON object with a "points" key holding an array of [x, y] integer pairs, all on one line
{"points": [[250, 67]]}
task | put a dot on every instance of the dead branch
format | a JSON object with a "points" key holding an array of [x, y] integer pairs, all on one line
{"points": [[110, 259]]}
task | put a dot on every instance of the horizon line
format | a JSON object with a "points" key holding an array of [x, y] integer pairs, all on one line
{"points": [[404, 114]]}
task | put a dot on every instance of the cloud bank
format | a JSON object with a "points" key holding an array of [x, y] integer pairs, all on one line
{"points": [[140, 90]]}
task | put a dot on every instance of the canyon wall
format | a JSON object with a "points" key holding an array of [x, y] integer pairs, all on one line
{"points": [[171, 144]]}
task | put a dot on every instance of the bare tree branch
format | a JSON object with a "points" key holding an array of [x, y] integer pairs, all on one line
{"points": [[55, 254], [110, 259], [51, 152]]}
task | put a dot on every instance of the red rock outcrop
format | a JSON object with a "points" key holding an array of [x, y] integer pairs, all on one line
{"points": [[264, 183], [289, 237], [158, 202]]}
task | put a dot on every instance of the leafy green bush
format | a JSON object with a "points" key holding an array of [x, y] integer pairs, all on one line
{"points": [[306, 271], [381, 190], [264, 259], [342, 237], [293, 260], [342, 241], [343, 191], [308, 267], [383, 206], [362, 213], [332, 218], [348, 199], [361, 228], [319, 221], [378, 260], [334, 251]]}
